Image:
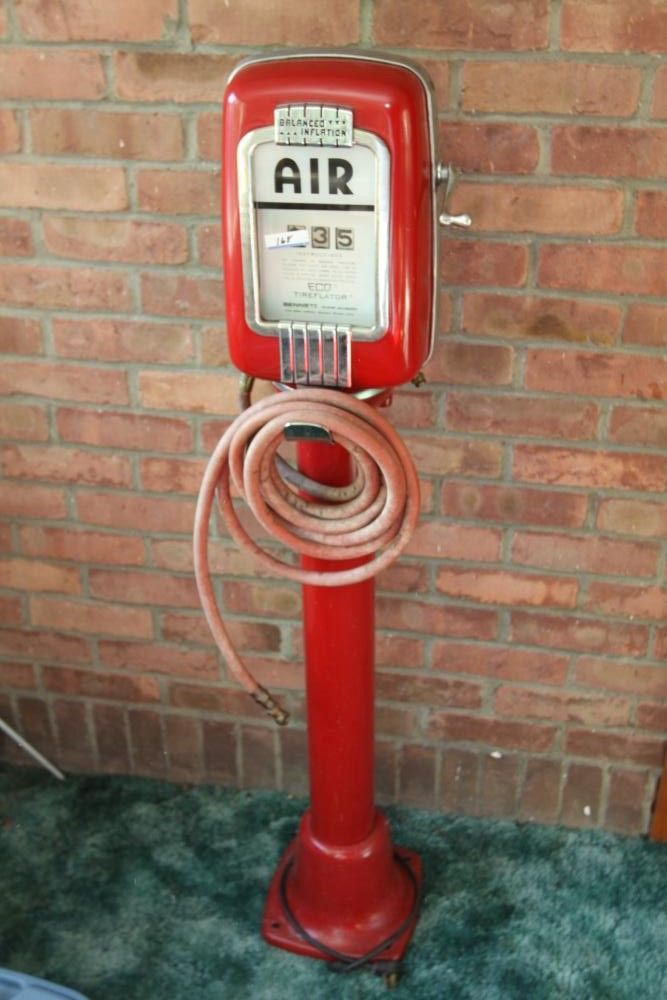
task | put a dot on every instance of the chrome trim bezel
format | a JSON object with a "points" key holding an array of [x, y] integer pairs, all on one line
{"points": [[249, 245], [387, 59]]}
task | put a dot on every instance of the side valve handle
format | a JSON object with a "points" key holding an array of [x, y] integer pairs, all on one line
{"points": [[446, 175]]}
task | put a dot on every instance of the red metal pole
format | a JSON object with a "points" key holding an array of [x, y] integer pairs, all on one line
{"points": [[339, 638], [340, 884]]}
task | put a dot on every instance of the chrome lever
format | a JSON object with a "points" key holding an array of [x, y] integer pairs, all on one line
{"points": [[446, 174]]}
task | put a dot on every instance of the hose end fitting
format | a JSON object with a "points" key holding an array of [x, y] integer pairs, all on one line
{"points": [[270, 705]]}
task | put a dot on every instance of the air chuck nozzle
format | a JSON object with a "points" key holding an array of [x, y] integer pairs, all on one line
{"points": [[270, 705]]}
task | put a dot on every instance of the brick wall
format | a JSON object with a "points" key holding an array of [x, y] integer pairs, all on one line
{"points": [[521, 643]]}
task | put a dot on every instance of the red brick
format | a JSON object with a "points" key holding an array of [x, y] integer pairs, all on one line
{"points": [[612, 675], [559, 88], [463, 24], [197, 392], [459, 778], [209, 136], [79, 545], [50, 74], [596, 374], [113, 239], [30, 574], [48, 185], [117, 135], [624, 270], [66, 465], [219, 740], [249, 22], [72, 382], [15, 238], [444, 456], [386, 778], [258, 757], [540, 208], [50, 646], [184, 748], [625, 801], [147, 743], [10, 135], [471, 364], [20, 336], [642, 426], [561, 706], [182, 192], [540, 793], [249, 636], [435, 619], [177, 295], [614, 746], [633, 517], [436, 692], [21, 501], [159, 658], [133, 587], [110, 725], [646, 324], [11, 612], [475, 262], [453, 541], [588, 554], [171, 475], [209, 249], [514, 505], [490, 732], [416, 775], [581, 796], [660, 93], [398, 651], [585, 635], [597, 469], [3, 22], [403, 578], [609, 152], [87, 20], [499, 786], [171, 76], [63, 288], [661, 643], [499, 662], [35, 724], [652, 717], [159, 514], [100, 684], [119, 340], [490, 147], [230, 701], [75, 748], [23, 423], [17, 675], [392, 721], [91, 618], [514, 414], [500, 587], [541, 318], [651, 214], [107, 429], [614, 26], [261, 599]]}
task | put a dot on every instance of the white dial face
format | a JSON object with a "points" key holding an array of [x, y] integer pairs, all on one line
{"points": [[317, 218]]}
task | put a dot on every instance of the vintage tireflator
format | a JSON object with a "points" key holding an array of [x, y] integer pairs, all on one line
{"points": [[329, 184]]}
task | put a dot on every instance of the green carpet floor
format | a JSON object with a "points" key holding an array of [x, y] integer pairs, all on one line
{"points": [[129, 889]]}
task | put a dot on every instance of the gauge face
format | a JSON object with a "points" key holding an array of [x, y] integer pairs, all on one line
{"points": [[315, 228]]}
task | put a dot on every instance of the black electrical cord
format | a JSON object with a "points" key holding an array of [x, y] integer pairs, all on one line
{"points": [[339, 961]]}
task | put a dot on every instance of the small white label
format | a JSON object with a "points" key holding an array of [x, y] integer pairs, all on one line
{"points": [[293, 238]]}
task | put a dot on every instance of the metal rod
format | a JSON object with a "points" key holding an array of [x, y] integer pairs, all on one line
{"points": [[23, 743]]}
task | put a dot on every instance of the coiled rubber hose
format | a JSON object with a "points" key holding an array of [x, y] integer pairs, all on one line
{"points": [[375, 515]]}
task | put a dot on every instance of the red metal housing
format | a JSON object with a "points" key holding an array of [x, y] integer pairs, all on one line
{"points": [[392, 101]]}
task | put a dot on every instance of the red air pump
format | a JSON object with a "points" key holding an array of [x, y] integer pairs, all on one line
{"points": [[329, 241]]}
